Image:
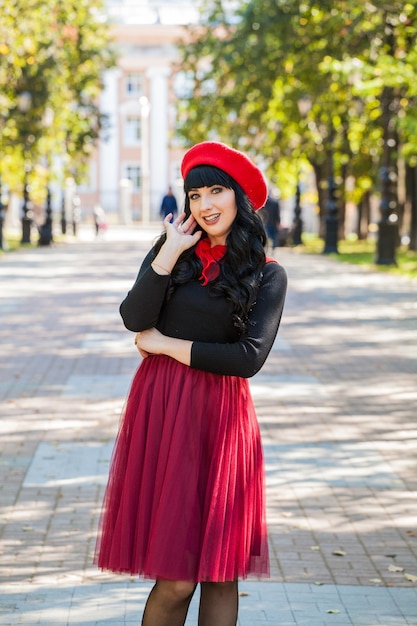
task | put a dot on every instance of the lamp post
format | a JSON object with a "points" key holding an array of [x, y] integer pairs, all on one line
{"points": [[332, 221], [26, 209], [387, 226], [63, 216], [304, 105], [331, 225], [24, 102], [297, 221], [45, 231]]}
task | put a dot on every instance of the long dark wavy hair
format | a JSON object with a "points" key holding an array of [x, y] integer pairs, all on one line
{"points": [[241, 271]]}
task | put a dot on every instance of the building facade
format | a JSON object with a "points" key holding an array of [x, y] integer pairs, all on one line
{"points": [[138, 156]]}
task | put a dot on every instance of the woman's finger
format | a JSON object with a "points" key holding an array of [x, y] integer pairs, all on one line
{"points": [[187, 225], [178, 220]]}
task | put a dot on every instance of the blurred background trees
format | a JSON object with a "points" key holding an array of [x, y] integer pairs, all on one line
{"points": [[321, 93], [52, 56], [329, 84]]}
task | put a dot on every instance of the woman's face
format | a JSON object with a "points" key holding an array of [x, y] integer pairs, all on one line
{"points": [[214, 209]]}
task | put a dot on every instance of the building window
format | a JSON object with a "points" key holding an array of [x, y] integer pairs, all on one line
{"points": [[134, 84], [132, 172], [131, 130]]}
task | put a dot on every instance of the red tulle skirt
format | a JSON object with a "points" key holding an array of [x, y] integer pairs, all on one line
{"points": [[185, 497]]}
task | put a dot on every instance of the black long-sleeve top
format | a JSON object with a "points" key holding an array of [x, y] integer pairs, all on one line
{"points": [[193, 313]]}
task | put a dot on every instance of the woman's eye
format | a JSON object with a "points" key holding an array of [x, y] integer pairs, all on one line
{"points": [[193, 196], [217, 190]]}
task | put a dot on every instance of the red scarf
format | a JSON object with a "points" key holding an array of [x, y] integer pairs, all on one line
{"points": [[210, 258]]}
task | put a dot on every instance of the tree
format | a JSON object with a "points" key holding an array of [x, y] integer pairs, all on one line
{"points": [[52, 57], [354, 63], [84, 52]]}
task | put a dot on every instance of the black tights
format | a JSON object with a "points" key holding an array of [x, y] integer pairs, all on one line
{"points": [[169, 600]]}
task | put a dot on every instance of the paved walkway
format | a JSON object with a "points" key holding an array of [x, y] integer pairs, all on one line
{"points": [[337, 403]]}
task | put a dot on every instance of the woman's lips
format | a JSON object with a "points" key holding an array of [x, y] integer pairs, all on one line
{"points": [[212, 219]]}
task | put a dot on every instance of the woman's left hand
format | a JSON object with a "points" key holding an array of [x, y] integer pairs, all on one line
{"points": [[149, 342]]}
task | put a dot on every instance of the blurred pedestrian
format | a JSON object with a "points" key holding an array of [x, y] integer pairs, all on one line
{"points": [[271, 215], [100, 221], [169, 204], [185, 498]]}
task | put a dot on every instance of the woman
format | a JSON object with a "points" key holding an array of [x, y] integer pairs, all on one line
{"points": [[185, 499]]}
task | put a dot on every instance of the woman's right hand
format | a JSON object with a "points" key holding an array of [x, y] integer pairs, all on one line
{"points": [[181, 233]]}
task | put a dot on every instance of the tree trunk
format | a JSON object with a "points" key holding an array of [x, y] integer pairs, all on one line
{"points": [[411, 199], [341, 203], [364, 214], [319, 175]]}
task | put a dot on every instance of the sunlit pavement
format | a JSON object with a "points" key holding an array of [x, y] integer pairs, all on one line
{"points": [[337, 404]]}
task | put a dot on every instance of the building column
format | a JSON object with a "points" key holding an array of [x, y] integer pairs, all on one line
{"points": [[159, 139], [109, 161]]}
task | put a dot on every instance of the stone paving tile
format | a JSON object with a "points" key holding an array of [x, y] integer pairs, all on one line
{"points": [[268, 603], [336, 404]]}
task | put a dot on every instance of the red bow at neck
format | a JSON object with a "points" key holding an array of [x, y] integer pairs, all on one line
{"points": [[210, 258]]}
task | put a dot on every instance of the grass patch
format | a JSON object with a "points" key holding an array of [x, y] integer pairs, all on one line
{"points": [[363, 253], [12, 243]]}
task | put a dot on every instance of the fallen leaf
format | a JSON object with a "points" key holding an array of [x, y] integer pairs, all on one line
{"points": [[410, 577], [339, 553], [375, 580], [412, 533], [395, 568], [242, 594], [318, 583], [314, 547], [333, 611]]}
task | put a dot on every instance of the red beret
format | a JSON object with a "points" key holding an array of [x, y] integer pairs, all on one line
{"points": [[234, 163]]}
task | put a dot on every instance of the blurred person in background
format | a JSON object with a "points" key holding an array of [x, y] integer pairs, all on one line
{"points": [[169, 205]]}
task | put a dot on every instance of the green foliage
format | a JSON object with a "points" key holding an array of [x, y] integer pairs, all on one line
{"points": [[353, 63], [363, 253], [52, 55]]}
